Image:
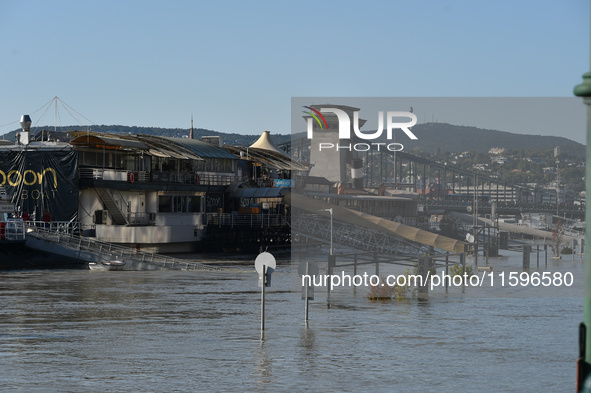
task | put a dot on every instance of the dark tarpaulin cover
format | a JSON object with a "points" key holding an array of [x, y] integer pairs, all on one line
{"points": [[40, 181]]}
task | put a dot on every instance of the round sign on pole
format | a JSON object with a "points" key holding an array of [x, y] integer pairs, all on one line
{"points": [[266, 259]]}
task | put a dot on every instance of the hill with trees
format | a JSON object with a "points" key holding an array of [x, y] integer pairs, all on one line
{"points": [[432, 138], [229, 139], [443, 137]]}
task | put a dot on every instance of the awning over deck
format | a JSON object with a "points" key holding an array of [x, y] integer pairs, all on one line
{"points": [[108, 142], [165, 147], [267, 158]]}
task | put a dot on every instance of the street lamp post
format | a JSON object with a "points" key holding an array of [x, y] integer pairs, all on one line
{"points": [[330, 211], [556, 154], [330, 257]]}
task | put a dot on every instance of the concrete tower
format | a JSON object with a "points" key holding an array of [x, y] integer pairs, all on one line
{"points": [[333, 164]]}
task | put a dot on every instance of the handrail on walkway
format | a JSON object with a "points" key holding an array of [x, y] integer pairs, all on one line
{"points": [[107, 251]]}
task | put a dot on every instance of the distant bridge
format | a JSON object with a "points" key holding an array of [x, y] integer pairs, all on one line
{"points": [[571, 211], [445, 187]]}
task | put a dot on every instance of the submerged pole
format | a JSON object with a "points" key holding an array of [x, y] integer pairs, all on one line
{"points": [[306, 307], [263, 301]]}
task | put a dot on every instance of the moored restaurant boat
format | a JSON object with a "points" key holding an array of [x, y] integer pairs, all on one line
{"points": [[151, 193]]}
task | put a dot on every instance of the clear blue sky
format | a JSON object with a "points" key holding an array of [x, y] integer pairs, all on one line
{"points": [[235, 65]]}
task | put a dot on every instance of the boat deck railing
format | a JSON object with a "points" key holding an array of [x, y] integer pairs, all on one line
{"points": [[108, 251], [71, 227], [13, 230], [261, 220], [199, 178]]}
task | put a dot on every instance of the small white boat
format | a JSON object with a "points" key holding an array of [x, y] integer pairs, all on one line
{"points": [[107, 265]]}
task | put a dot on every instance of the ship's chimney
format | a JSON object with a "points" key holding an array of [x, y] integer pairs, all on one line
{"points": [[26, 126]]}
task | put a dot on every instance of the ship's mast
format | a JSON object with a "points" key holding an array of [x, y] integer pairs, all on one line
{"points": [[55, 117]]}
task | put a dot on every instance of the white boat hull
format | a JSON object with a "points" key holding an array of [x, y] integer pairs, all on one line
{"points": [[109, 265]]}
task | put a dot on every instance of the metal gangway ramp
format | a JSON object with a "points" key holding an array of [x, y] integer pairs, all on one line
{"points": [[317, 227], [88, 249], [364, 231]]}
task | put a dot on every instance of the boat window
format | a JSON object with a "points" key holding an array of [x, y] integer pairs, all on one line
{"points": [[164, 204], [131, 162], [195, 204], [180, 204], [169, 165], [186, 165]]}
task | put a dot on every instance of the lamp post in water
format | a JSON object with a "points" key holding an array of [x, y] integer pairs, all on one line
{"points": [[584, 364], [330, 211], [556, 154]]}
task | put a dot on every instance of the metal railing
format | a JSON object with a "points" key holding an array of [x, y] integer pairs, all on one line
{"points": [[17, 229], [12, 230], [107, 251], [536, 206], [211, 179], [261, 220], [208, 178], [141, 218], [71, 227]]}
